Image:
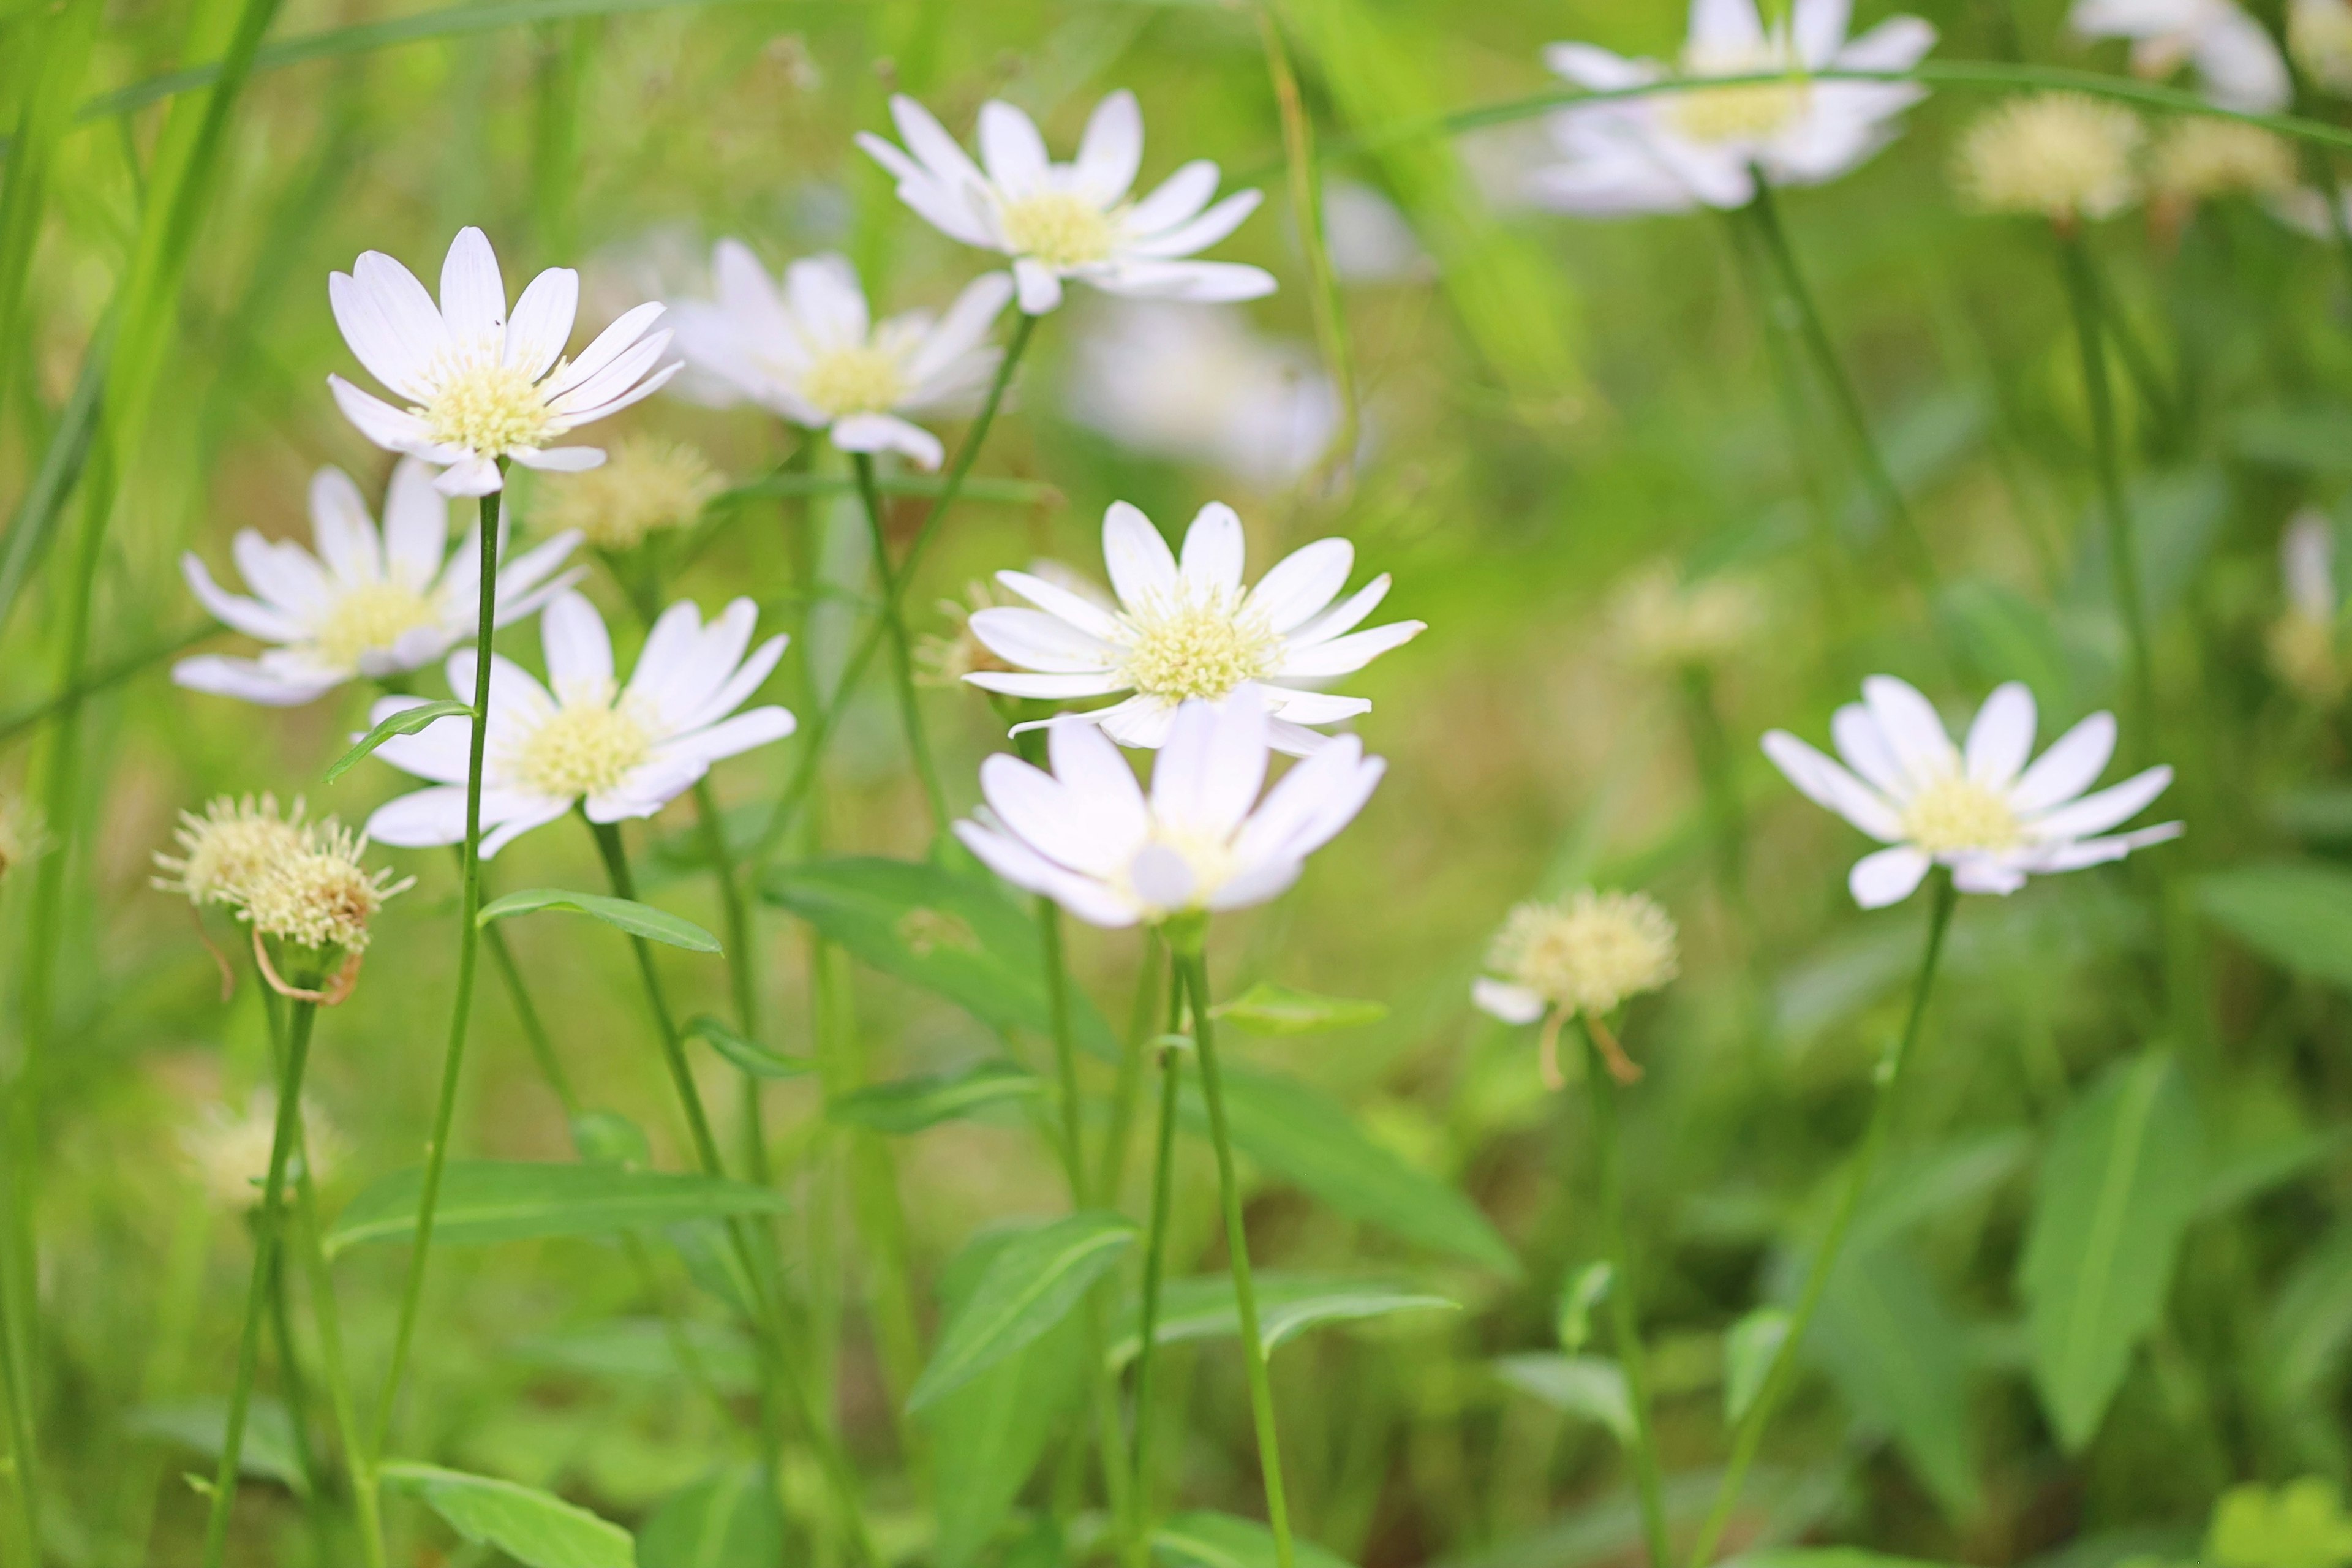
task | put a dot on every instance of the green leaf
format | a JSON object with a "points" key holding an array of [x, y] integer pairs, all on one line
{"points": [[266, 1453], [954, 936], [2309, 1322], [2245, 1176], [2297, 916], [1900, 1361], [2118, 1186], [636, 919], [1748, 1350], [407, 721], [530, 1526], [1309, 1140], [493, 1200], [1587, 1385], [2300, 1525], [1288, 1306], [752, 1057], [1026, 1289], [608, 1138], [1824, 1557], [646, 1349], [726, 1521], [1269, 1009], [911, 1104], [1578, 1294], [1221, 1540]]}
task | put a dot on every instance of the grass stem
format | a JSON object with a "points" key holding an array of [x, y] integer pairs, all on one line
{"points": [[358, 1464], [902, 653], [1625, 1316]]}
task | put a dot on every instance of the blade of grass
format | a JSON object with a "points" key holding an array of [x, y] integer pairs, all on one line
{"points": [[52, 62]]}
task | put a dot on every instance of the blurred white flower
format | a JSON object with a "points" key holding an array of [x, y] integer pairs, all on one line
{"points": [[482, 388], [647, 485], [811, 353], [1676, 149], [1194, 383], [227, 1148], [2199, 158], [2304, 642], [2065, 156], [2305, 211], [1583, 955], [616, 751], [1192, 631], [1659, 621], [1070, 220], [2319, 36], [1980, 811], [2234, 56], [1369, 240], [368, 602], [1087, 836]]}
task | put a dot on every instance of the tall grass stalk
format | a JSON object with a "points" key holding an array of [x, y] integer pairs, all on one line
{"points": [[1155, 1254], [1305, 176], [21, 1481], [359, 1465], [1624, 1311], [1886, 1078], [902, 653]]}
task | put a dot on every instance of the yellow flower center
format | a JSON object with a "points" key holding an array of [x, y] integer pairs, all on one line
{"points": [[1955, 816], [1590, 953], [368, 618], [585, 747], [1209, 858], [1057, 228], [487, 406], [1746, 113], [856, 380], [1190, 648]]}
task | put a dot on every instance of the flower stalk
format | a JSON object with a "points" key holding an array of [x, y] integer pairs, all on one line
{"points": [[357, 1462], [1155, 1249], [1601, 1083], [902, 656]]}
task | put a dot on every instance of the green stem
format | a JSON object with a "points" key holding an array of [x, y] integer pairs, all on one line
{"points": [[461, 1012], [357, 1465], [295, 1398], [23, 1515], [742, 976], [534, 1027], [1305, 176], [1261, 1387], [776, 1344], [1624, 1311], [1129, 1085], [1155, 1248], [902, 655], [824, 722], [265, 1246], [1749, 1436], [2123, 548]]}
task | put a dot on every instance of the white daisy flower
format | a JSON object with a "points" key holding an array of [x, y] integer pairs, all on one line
{"points": [[1192, 631], [2234, 56], [1088, 836], [1070, 220], [368, 602], [1671, 151], [616, 752], [811, 353], [482, 388], [1979, 810]]}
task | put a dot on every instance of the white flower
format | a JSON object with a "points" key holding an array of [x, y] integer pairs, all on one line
{"points": [[1070, 220], [1585, 956], [482, 388], [2319, 36], [2303, 642], [1194, 383], [1676, 149], [368, 602], [223, 852], [2241, 65], [811, 354], [616, 752], [1980, 811], [2064, 155], [1192, 631], [1087, 836]]}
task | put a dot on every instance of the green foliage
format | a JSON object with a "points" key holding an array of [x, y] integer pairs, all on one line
{"points": [[1028, 1288], [407, 721], [2297, 916], [1288, 1306], [624, 914], [487, 1200], [913, 1104], [750, 1056], [1269, 1009], [533, 1528], [268, 1452], [1591, 1386], [2300, 1525], [1579, 1295], [1221, 1540], [728, 1520]]}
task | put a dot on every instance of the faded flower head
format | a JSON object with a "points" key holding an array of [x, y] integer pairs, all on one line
{"points": [[2199, 159], [228, 1149], [2319, 38], [647, 483], [1583, 955], [2064, 156], [319, 897], [1659, 621], [226, 850]]}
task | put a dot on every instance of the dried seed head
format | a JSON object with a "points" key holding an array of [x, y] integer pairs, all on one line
{"points": [[223, 852], [1589, 954], [2200, 159], [2064, 155], [321, 898]]}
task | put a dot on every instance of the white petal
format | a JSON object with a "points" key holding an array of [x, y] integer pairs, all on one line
{"points": [[1024, 867], [610, 380], [1887, 877], [1311, 707], [1992, 874], [888, 433], [390, 323], [579, 649], [959, 331], [1046, 687], [1011, 150], [827, 302], [1827, 784], [752, 727], [1161, 878], [1512, 1004], [2097, 813], [1035, 640], [1818, 28], [1175, 199], [394, 429], [342, 529], [1038, 286], [1587, 65], [1055, 820], [246, 681], [1344, 617], [1303, 583], [1725, 27], [738, 688], [1110, 151], [1141, 566], [1198, 234], [1864, 746], [1343, 655], [1314, 801], [515, 816], [1143, 722], [520, 576], [1066, 605], [473, 294], [2001, 738], [1208, 776], [284, 573], [1094, 771], [608, 346], [415, 525], [1214, 546], [1912, 729], [930, 143], [560, 459], [2068, 768], [1256, 884], [251, 618], [476, 475], [1203, 281], [2076, 854], [421, 818], [543, 321]]}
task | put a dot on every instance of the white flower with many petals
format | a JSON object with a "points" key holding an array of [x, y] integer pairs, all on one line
{"points": [[616, 752], [2240, 65], [482, 388], [1693, 147], [368, 602], [1070, 220], [1192, 631], [1979, 810], [811, 353], [1088, 836]]}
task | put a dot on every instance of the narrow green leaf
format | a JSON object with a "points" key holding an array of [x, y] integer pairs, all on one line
{"points": [[911, 1104], [1587, 1385], [407, 721], [1578, 1294], [636, 919], [2118, 1187], [1748, 1350], [1288, 1306], [753, 1059], [1268, 1009], [2308, 1326], [2297, 916], [2274, 1162], [1221, 1540], [488, 1200], [267, 1452], [534, 1528], [1824, 1557], [646, 1349], [1028, 1288], [609, 1138], [726, 1521], [2300, 1525], [1900, 1360]]}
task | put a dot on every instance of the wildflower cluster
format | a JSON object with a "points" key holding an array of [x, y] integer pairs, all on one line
{"points": [[291, 880]]}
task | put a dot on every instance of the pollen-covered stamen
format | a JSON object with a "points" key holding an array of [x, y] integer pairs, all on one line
{"points": [[1057, 228], [1747, 112], [1957, 815], [486, 405], [369, 618], [585, 747], [858, 379], [1208, 858], [1188, 646]]}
